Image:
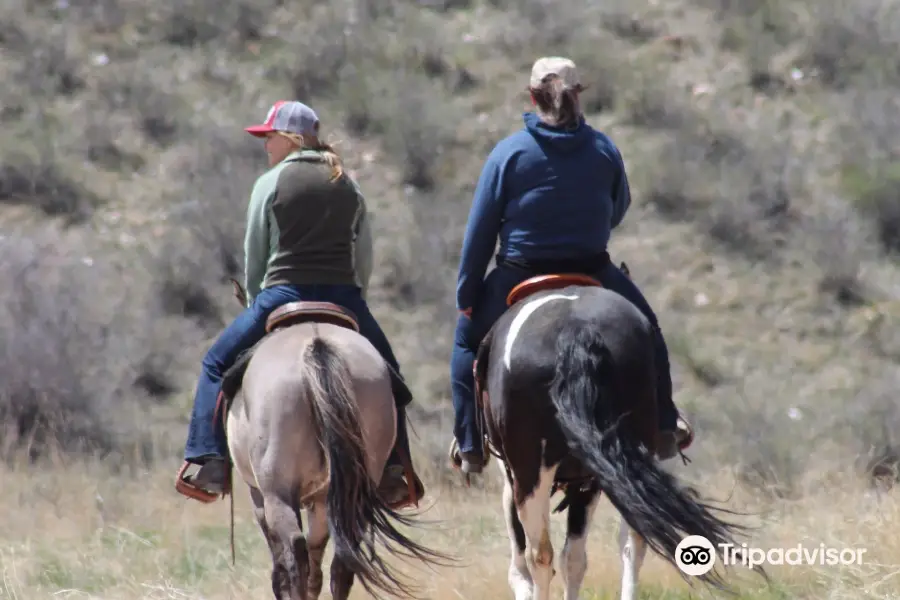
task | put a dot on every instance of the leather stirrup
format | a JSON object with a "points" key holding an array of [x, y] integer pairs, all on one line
{"points": [[187, 489], [414, 485]]}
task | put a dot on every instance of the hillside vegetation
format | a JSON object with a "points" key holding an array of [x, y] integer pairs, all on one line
{"points": [[761, 140]]}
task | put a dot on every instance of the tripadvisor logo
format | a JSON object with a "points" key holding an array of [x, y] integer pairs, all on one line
{"points": [[695, 555]]}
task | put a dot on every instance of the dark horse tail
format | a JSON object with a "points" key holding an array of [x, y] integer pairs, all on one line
{"points": [[648, 498], [358, 519]]}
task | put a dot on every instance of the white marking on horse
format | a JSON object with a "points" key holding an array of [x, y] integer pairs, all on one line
{"points": [[534, 513], [633, 548], [522, 316], [519, 577], [573, 558]]}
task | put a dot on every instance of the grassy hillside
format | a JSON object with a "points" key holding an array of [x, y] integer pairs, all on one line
{"points": [[761, 141]]}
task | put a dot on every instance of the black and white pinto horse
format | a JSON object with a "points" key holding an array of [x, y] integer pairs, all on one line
{"points": [[566, 382]]}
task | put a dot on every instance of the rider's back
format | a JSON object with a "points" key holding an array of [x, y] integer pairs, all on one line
{"points": [[312, 221], [563, 191]]}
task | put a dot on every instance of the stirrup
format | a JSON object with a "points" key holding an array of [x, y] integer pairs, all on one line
{"points": [[415, 492], [414, 487], [456, 460], [185, 487], [455, 455]]}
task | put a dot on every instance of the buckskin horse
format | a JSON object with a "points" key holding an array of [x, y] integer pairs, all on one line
{"points": [[310, 420], [566, 385]]}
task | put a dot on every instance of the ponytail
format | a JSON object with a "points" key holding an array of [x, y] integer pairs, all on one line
{"points": [[332, 159], [556, 103]]}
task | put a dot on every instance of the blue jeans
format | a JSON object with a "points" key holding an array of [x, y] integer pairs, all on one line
{"points": [[491, 306], [207, 439]]}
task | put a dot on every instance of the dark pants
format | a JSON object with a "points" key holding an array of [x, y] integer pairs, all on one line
{"points": [[471, 331], [207, 439]]}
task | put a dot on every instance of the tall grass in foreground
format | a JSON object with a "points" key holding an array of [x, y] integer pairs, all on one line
{"points": [[80, 531]]}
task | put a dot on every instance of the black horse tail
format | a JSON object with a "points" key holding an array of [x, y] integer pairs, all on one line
{"points": [[358, 519], [648, 498]]}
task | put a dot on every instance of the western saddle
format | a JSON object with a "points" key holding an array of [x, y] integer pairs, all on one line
{"points": [[294, 313], [542, 283]]}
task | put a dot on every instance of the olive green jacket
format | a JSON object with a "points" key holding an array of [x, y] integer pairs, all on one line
{"points": [[303, 228]]}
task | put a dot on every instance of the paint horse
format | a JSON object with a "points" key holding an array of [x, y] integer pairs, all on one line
{"points": [[566, 385], [311, 426]]}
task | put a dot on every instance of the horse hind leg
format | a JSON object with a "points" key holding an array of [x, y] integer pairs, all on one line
{"points": [[519, 577], [341, 580], [633, 548], [279, 576], [317, 540], [573, 558], [292, 557], [534, 513]]}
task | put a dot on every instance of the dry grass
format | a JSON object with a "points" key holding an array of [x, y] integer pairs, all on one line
{"points": [[761, 143], [79, 533]]}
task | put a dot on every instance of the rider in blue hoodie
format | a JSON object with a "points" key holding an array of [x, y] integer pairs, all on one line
{"points": [[552, 193]]}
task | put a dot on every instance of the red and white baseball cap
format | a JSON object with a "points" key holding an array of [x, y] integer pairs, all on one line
{"points": [[288, 116]]}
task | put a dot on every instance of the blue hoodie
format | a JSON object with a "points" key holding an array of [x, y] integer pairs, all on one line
{"points": [[548, 193]]}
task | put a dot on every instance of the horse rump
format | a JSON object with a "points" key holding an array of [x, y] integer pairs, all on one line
{"points": [[650, 499]]}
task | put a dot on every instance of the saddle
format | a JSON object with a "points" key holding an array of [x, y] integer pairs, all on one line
{"points": [[541, 283], [294, 313]]}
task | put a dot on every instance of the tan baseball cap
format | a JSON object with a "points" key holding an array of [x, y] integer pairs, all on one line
{"points": [[562, 67]]}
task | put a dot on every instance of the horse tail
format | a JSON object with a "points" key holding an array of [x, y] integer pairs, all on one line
{"points": [[358, 519], [649, 499]]}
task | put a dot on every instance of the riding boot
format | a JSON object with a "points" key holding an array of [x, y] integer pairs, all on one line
{"points": [[206, 445], [394, 488], [671, 442], [675, 433], [470, 463], [210, 480]]}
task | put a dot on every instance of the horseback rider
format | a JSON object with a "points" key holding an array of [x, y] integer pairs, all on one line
{"points": [[552, 192], [308, 238]]}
